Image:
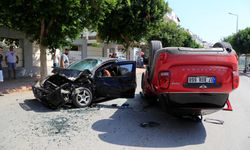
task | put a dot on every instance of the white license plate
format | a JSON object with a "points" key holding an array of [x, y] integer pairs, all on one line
{"points": [[201, 79]]}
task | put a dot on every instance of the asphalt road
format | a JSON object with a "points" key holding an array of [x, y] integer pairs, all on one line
{"points": [[26, 124]]}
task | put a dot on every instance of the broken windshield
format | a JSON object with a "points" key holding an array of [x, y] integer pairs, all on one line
{"points": [[89, 64]]}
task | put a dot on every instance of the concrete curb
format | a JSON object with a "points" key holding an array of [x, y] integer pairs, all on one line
{"points": [[17, 89]]}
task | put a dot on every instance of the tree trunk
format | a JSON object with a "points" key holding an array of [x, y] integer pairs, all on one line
{"points": [[43, 58], [127, 50], [126, 45], [128, 53], [43, 61]]}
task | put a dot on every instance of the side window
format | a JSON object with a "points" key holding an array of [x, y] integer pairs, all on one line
{"points": [[125, 69], [109, 70]]}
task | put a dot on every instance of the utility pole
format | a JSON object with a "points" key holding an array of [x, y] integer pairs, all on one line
{"points": [[237, 20]]}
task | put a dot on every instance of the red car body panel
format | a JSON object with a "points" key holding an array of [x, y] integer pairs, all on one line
{"points": [[182, 66], [171, 67]]}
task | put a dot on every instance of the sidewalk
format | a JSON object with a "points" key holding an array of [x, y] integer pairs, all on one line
{"points": [[18, 85], [245, 74], [140, 70]]}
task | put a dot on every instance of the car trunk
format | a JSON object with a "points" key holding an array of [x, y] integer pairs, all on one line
{"points": [[195, 72], [200, 78]]}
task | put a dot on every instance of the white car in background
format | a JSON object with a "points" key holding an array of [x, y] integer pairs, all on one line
{"points": [[121, 56]]}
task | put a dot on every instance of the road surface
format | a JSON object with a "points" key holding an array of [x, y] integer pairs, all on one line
{"points": [[25, 124]]}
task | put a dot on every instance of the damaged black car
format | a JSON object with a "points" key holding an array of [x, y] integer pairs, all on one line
{"points": [[87, 81]]}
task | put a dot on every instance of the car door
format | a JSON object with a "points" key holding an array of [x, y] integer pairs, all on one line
{"points": [[106, 86], [126, 75], [122, 83]]}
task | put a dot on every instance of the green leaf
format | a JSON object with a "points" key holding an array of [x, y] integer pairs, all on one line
{"points": [[240, 41], [128, 21]]}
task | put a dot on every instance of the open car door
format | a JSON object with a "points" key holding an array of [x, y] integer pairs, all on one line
{"points": [[127, 78], [122, 82]]}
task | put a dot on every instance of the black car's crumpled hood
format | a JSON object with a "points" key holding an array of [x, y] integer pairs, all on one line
{"points": [[70, 74]]}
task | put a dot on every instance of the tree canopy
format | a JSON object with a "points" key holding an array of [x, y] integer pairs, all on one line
{"points": [[50, 22], [127, 21], [240, 41], [171, 35]]}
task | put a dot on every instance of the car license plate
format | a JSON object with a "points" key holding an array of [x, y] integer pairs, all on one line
{"points": [[201, 79]]}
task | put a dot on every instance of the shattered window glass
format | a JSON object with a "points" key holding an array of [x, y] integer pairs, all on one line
{"points": [[89, 64]]}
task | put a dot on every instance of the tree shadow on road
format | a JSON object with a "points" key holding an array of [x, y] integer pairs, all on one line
{"points": [[124, 128]]}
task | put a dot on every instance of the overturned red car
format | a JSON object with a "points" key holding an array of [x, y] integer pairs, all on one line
{"points": [[192, 82]]}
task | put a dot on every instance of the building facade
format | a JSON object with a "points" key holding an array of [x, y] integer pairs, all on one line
{"points": [[171, 16], [28, 52]]}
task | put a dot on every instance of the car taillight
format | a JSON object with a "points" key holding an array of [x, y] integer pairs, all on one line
{"points": [[164, 79], [236, 79]]}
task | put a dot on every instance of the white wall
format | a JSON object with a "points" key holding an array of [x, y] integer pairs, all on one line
{"points": [[94, 51]]}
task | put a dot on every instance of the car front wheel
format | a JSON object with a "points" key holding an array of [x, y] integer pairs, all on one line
{"points": [[82, 97]]}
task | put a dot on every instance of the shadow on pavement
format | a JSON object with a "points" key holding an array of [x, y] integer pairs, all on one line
{"points": [[124, 127], [34, 105], [37, 106]]}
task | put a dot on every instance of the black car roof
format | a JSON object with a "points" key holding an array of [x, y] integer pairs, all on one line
{"points": [[105, 59], [101, 58]]}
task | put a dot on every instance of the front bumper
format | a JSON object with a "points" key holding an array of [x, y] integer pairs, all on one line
{"points": [[194, 103], [52, 98]]}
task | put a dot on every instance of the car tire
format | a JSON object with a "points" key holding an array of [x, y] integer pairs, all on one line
{"points": [[154, 46], [224, 45], [163, 104], [82, 97], [142, 81]]}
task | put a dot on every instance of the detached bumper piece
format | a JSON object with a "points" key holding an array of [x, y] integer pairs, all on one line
{"points": [[194, 103], [51, 98]]}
